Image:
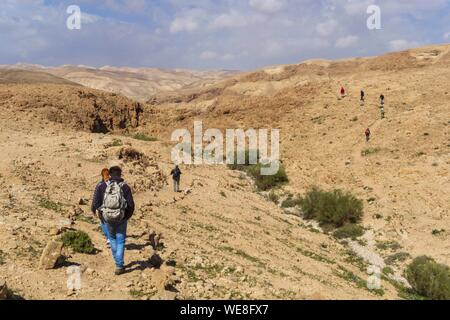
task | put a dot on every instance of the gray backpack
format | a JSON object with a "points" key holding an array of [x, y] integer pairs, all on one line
{"points": [[114, 203]]}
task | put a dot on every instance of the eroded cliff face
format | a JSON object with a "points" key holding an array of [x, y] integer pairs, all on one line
{"points": [[77, 108]]}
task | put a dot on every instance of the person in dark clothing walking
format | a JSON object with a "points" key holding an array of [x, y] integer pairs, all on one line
{"points": [[368, 134], [363, 95], [117, 230], [176, 175], [382, 99]]}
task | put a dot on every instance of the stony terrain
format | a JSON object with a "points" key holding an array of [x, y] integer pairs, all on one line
{"points": [[221, 239]]}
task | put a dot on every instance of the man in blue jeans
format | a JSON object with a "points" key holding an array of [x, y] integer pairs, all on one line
{"points": [[116, 232]]}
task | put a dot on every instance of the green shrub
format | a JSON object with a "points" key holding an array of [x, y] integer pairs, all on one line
{"points": [[352, 231], [337, 207], [263, 183], [79, 241], [291, 202], [144, 137], [370, 151], [429, 278], [117, 143], [51, 205], [273, 197], [397, 257]]}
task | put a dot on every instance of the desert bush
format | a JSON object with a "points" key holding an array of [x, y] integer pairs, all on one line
{"points": [[79, 241], [370, 151], [117, 143], [143, 137], [429, 278], [291, 202], [263, 183], [350, 230], [272, 196], [336, 207], [397, 257], [51, 205]]}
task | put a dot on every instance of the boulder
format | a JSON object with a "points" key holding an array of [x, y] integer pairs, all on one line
{"points": [[51, 256], [83, 202], [3, 290], [156, 240], [155, 260]]}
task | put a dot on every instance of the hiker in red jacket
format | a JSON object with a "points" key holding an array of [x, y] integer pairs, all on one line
{"points": [[342, 91], [368, 134]]}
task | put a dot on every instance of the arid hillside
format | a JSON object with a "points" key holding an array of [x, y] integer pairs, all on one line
{"points": [[402, 173], [134, 83], [11, 76], [221, 238]]}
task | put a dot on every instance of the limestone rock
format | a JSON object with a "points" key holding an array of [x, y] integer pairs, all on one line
{"points": [[51, 256]]}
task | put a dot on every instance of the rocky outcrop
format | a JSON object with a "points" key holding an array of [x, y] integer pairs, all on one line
{"points": [[78, 108], [51, 256]]}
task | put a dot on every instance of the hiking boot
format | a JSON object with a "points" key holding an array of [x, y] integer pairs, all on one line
{"points": [[119, 271]]}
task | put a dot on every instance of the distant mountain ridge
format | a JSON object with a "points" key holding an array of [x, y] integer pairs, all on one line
{"points": [[135, 83]]}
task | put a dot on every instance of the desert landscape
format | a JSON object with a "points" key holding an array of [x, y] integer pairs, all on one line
{"points": [[222, 238]]}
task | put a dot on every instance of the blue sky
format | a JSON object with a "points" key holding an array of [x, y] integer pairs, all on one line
{"points": [[213, 34]]}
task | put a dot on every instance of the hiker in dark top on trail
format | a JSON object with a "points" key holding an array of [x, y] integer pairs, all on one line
{"points": [[342, 91], [368, 134], [113, 200], [363, 94], [176, 175], [382, 99]]}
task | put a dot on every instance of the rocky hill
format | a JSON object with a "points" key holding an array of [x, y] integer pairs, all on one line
{"points": [[12, 76]]}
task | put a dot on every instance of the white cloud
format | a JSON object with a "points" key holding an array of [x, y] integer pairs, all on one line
{"points": [[400, 45], [187, 24], [89, 18], [267, 6], [228, 20], [228, 57], [326, 28], [346, 42], [208, 55]]}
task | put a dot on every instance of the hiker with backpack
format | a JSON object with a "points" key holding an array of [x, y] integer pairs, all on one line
{"points": [[382, 99], [114, 202], [176, 175]]}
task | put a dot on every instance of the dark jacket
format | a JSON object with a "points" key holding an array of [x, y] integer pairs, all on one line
{"points": [[99, 193], [176, 174]]}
